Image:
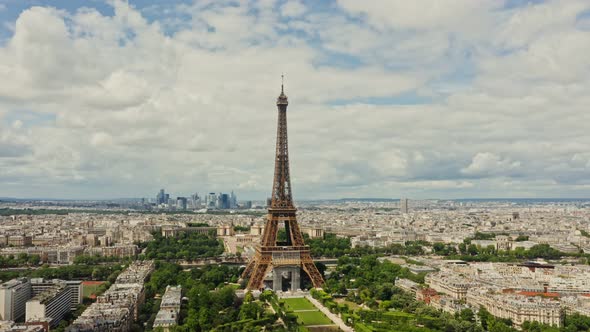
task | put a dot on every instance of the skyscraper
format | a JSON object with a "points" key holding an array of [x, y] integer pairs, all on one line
{"points": [[403, 205], [196, 201], [181, 203], [233, 200], [211, 200], [223, 201], [161, 197]]}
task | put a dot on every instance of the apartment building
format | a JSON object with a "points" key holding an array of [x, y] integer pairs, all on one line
{"points": [[49, 306], [13, 298], [167, 316], [39, 285]]}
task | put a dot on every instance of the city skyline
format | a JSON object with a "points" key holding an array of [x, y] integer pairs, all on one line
{"points": [[474, 99]]}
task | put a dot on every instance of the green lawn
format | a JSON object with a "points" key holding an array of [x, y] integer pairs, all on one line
{"points": [[307, 318], [307, 313], [299, 303], [88, 290]]}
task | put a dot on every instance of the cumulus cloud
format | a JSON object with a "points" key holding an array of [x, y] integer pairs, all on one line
{"points": [[423, 15], [489, 164], [293, 8], [389, 99], [581, 160]]}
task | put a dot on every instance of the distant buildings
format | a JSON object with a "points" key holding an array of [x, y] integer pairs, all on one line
{"points": [[161, 197], [403, 205], [233, 201], [222, 201], [181, 203], [218, 201], [211, 200], [195, 201]]}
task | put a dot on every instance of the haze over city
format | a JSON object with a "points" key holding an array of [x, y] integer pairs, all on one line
{"points": [[425, 99]]}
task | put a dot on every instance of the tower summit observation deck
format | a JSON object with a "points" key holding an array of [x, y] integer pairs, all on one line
{"points": [[285, 259]]}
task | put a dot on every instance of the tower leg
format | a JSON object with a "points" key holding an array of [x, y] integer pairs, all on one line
{"points": [[257, 278], [248, 271], [295, 279], [277, 280], [296, 237], [311, 270]]}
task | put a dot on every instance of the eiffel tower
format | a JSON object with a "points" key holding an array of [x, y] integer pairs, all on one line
{"points": [[286, 258]]}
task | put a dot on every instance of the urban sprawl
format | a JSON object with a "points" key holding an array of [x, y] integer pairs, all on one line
{"points": [[524, 290]]}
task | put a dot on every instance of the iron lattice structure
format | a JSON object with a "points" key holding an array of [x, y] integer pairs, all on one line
{"points": [[293, 252]]}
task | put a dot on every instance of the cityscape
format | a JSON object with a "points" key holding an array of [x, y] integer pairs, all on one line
{"points": [[219, 201], [292, 165]]}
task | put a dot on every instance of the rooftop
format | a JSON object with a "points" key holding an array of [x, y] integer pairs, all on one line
{"points": [[49, 294]]}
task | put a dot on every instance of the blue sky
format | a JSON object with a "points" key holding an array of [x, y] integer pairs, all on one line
{"points": [[421, 99]]}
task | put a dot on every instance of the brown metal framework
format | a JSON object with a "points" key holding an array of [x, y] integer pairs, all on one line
{"points": [[271, 254]]}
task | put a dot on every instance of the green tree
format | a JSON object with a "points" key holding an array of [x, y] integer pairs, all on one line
{"points": [[484, 317], [467, 315], [250, 310]]}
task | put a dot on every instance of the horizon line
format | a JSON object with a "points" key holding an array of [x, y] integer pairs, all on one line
{"points": [[2, 198]]}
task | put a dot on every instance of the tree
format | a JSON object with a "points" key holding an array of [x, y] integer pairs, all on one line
{"points": [[250, 310], [499, 326], [484, 316], [463, 248], [267, 296], [467, 315], [248, 297], [34, 259], [543, 251]]}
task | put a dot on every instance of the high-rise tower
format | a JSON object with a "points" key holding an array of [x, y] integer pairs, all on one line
{"points": [[403, 205], [287, 258]]}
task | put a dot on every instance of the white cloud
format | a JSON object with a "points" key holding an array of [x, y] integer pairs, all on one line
{"points": [[17, 124], [101, 139], [422, 15], [133, 108], [581, 160], [441, 184], [535, 22], [293, 8], [489, 164]]}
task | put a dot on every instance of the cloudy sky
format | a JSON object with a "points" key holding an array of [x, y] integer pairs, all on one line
{"points": [[422, 99]]}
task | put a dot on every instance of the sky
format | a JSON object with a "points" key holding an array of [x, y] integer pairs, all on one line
{"points": [[419, 99]]}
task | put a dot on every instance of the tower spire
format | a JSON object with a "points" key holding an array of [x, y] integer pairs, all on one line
{"points": [[282, 99]]}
